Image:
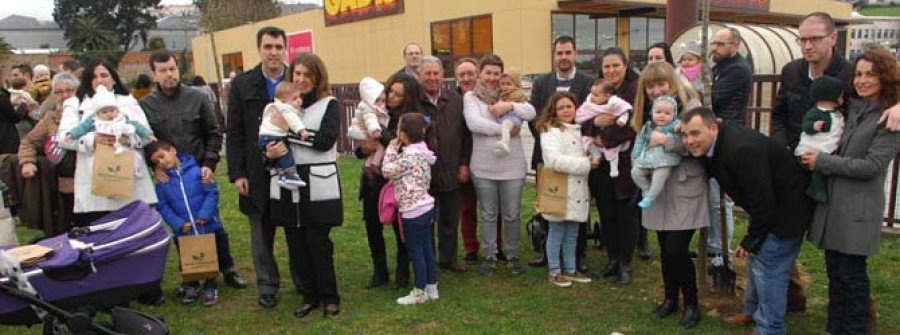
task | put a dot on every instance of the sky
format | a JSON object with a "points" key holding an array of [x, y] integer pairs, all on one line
{"points": [[43, 9]]}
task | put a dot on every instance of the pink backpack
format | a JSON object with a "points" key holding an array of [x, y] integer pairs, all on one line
{"points": [[388, 208]]}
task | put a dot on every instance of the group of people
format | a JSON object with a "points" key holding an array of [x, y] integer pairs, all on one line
{"points": [[639, 145]]}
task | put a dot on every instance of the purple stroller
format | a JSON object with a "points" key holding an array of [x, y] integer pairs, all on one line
{"points": [[115, 260]]}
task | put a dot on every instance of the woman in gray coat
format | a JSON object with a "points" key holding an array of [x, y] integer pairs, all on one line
{"points": [[683, 205], [848, 226]]}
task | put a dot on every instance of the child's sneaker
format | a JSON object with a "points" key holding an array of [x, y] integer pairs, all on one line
{"points": [[559, 280], [210, 297], [501, 150], [577, 277], [416, 296], [190, 295], [431, 291], [289, 179]]}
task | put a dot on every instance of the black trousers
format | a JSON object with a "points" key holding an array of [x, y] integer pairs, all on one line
{"points": [[619, 217], [677, 268], [848, 293], [377, 247], [315, 256], [447, 217]]}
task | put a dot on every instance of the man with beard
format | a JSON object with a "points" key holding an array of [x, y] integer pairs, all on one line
{"points": [[183, 115], [732, 80], [565, 77]]}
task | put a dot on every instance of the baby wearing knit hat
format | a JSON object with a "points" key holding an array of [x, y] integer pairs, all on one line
{"points": [[822, 127]]}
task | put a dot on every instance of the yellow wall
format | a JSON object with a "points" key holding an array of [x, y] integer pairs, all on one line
{"points": [[521, 34]]}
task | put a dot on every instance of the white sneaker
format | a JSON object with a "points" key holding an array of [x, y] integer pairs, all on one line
{"points": [[416, 296], [501, 150], [431, 291]]}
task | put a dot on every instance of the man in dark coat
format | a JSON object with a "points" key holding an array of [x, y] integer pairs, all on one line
{"points": [[251, 91], [818, 39], [564, 77], [183, 116], [451, 141], [767, 181], [412, 59], [731, 84]]}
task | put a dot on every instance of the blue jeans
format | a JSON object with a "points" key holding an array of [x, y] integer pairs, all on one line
{"points": [[714, 240], [286, 161], [565, 234], [419, 246], [495, 196], [768, 275]]}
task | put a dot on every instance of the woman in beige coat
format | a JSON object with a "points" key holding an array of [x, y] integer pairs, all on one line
{"points": [[683, 205]]}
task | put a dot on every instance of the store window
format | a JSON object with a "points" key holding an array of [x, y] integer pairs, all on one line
{"points": [[232, 62], [592, 35], [644, 32], [458, 38]]}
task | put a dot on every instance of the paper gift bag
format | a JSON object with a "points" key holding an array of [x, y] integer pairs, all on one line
{"points": [[199, 259], [113, 174], [552, 191]]}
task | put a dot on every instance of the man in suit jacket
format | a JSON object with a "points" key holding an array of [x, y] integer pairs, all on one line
{"points": [[765, 179], [251, 91], [564, 77]]}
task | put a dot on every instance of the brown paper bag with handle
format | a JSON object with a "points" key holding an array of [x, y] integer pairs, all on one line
{"points": [[199, 259], [552, 191], [113, 174]]}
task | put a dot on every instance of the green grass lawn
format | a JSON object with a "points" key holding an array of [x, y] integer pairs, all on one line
{"points": [[881, 11], [471, 303]]}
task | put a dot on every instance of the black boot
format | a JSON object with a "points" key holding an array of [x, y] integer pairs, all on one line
{"points": [[581, 263], [668, 307], [611, 269], [401, 280], [691, 317], [643, 248], [378, 279], [623, 276]]}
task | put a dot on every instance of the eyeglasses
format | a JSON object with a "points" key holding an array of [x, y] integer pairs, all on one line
{"points": [[812, 39], [718, 43]]}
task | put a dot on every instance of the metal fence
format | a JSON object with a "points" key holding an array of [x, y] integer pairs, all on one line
{"points": [[759, 117]]}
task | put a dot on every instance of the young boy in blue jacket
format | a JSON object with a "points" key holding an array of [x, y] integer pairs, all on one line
{"points": [[184, 187]]}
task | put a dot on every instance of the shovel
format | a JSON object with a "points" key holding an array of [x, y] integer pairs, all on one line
{"points": [[724, 277]]}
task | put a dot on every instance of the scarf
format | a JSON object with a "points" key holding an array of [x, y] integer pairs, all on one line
{"points": [[691, 73], [485, 94]]}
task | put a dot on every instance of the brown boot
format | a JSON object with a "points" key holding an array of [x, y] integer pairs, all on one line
{"points": [[738, 320]]}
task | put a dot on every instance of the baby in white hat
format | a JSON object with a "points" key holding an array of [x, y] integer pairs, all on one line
{"points": [[106, 119]]}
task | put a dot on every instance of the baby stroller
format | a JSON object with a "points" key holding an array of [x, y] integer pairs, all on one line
{"points": [[97, 268]]}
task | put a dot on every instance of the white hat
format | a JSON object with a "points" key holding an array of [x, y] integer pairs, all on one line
{"points": [[369, 90], [103, 98], [41, 69]]}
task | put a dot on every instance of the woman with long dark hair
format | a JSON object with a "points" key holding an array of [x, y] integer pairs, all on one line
{"points": [[848, 226], [311, 212], [89, 207], [401, 94]]}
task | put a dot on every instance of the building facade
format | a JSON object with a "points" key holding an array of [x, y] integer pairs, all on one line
{"points": [[520, 31]]}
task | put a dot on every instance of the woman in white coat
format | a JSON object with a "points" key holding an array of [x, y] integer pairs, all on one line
{"points": [[89, 207], [561, 145]]}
